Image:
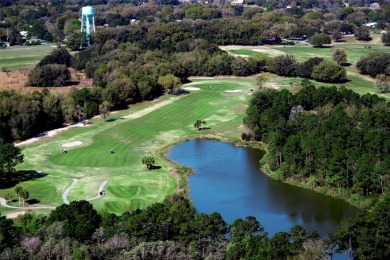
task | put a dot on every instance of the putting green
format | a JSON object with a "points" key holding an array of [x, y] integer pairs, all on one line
{"points": [[131, 134]]}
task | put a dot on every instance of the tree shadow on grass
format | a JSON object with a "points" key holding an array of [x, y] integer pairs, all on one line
{"points": [[181, 92], [32, 201], [12, 179], [154, 167], [111, 119], [344, 81], [323, 47], [346, 64]]}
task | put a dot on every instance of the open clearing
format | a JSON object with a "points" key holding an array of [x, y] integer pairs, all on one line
{"points": [[130, 134]]}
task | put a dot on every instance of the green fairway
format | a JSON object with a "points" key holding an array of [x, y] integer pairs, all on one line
{"points": [[361, 84], [131, 134], [303, 52], [23, 57]]}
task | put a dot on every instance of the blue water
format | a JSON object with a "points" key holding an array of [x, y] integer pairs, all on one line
{"points": [[227, 179]]}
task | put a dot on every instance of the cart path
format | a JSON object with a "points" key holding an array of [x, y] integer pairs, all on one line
{"points": [[66, 192], [101, 187], [3, 202]]}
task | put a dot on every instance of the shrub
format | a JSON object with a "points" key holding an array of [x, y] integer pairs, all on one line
{"points": [[285, 65], [362, 34], [319, 39], [386, 38], [305, 69], [328, 71], [374, 63], [57, 56], [51, 75]]}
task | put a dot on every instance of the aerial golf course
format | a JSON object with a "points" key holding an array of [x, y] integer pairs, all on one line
{"points": [[149, 128], [131, 134]]}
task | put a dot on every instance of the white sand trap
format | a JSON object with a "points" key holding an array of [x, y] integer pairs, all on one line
{"points": [[49, 134], [71, 144], [191, 88], [234, 91]]}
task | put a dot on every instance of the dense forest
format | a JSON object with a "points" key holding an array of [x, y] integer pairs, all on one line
{"points": [[174, 230], [325, 137]]}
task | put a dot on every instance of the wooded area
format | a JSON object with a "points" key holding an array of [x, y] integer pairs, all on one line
{"points": [[325, 137]]}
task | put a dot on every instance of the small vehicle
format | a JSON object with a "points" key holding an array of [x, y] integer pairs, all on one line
{"points": [[3, 45]]}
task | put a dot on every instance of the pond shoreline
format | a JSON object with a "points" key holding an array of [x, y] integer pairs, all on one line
{"points": [[185, 172]]}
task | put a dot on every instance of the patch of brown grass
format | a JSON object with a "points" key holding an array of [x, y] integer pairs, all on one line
{"points": [[17, 79]]}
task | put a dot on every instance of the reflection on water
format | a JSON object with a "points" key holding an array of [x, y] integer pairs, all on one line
{"points": [[228, 181]]}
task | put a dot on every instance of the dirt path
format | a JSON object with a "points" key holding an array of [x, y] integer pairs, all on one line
{"points": [[66, 192]]}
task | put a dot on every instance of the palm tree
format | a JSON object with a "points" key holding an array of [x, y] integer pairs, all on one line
{"points": [[198, 124], [25, 194], [18, 191]]}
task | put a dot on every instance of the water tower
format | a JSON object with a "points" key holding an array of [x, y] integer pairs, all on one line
{"points": [[87, 22]]}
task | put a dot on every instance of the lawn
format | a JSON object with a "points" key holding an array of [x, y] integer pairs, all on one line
{"points": [[354, 49], [23, 57], [303, 52], [131, 134]]}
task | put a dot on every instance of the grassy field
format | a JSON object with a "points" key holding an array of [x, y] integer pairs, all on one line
{"points": [[354, 49], [23, 57], [131, 134]]}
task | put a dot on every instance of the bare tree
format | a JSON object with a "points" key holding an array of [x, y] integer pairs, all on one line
{"points": [[32, 244]]}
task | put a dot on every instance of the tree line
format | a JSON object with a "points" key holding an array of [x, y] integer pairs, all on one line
{"points": [[216, 20], [174, 230], [325, 137]]}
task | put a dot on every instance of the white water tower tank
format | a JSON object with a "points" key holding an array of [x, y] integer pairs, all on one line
{"points": [[87, 21]]}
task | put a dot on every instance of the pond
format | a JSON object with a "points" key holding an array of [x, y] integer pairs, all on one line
{"points": [[227, 180]]}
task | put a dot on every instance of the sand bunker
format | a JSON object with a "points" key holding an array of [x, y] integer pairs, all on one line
{"points": [[234, 91], [191, 88], [71, 144]]}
